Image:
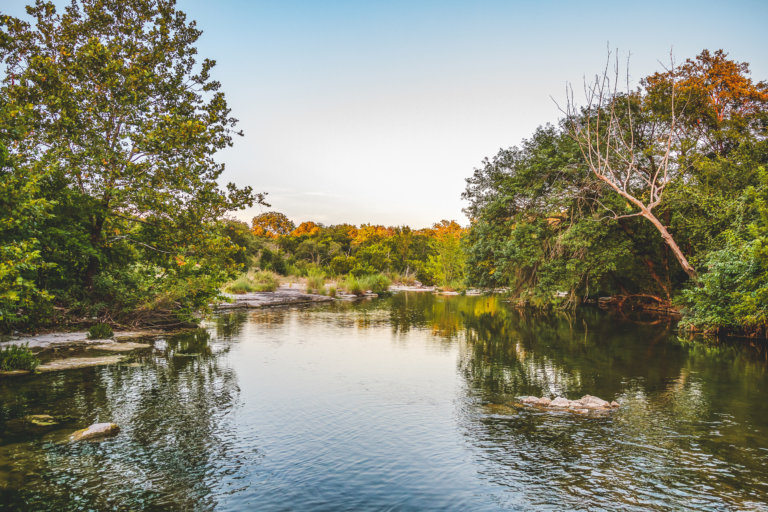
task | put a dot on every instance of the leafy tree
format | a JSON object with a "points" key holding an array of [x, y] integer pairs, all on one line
{"points": [[447, 263], [126, 122], [21, 213], [271, 225]]}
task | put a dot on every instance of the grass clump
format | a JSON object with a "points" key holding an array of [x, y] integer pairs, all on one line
{"points": [[100, 331], [352, 285], [18, 357], [263, 281], [315, 281], [376, 283]]}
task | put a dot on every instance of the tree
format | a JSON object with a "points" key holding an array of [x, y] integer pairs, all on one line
{"points": [[126, 122], [271, 225], [629, 148], [447, 262]]}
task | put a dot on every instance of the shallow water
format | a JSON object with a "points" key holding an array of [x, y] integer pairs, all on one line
{"points": [[404, 403]]}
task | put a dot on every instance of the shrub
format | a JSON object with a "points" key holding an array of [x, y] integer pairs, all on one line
{"points": [[332, 291], [100, 331], [17, 357]]}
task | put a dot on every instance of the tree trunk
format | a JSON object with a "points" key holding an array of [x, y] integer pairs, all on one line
{"points": [[667, 236]]}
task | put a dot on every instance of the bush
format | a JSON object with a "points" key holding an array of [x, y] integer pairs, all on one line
{"points": [[100, 331], [332, 291], [17, 357]]}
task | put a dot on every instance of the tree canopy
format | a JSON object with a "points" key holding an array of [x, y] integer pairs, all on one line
{"points": [[119, 123]]}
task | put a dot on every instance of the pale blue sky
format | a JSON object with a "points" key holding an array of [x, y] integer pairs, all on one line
{"points": [[377, 111]]}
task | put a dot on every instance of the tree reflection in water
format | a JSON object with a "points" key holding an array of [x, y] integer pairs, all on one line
{"points": [[175, 446]]}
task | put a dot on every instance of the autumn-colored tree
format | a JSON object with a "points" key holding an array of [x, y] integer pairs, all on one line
{"points": [[308, 228], [716, 100], [271, 225]]}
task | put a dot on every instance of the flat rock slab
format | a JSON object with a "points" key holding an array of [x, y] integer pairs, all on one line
{"points": [[283, 296], [10, 373], [58, 339], [126, 346], [72, 363], [95, 431], [404, 288]]}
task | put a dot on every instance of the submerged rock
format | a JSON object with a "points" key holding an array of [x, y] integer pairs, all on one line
{"points": [[41, 420], [94, 431]]}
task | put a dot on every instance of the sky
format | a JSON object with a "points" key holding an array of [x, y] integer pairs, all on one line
{"points": [[377, 111]]}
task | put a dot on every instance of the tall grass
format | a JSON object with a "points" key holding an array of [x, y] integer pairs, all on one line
{"points": [[253, 282], [315, 281], [376, 283], [17, 357]]}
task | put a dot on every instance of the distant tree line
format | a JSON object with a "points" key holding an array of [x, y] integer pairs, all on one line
{"points": [[432, 256]]}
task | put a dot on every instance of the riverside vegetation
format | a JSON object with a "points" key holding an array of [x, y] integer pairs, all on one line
{"points": [[111, 209]]}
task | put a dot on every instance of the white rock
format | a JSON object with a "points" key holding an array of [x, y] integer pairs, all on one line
{"points": [[560, 402], [529, 399], [614, 404], [95, 430], [543, 401]]}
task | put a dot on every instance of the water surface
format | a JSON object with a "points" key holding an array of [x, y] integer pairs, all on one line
{"points": [[404, 403]]}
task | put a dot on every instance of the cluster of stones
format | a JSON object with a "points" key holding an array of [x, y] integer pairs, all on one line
{"points": [[584, 404]]}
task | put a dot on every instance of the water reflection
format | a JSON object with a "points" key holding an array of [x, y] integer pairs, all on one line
{"points": [[400, 403], [175, 447]]}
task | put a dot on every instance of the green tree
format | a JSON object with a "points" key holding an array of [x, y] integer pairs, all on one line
{"points": [[127, 123]]}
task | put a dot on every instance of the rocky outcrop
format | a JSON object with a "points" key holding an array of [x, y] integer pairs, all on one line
{"points": [[584, 404], [96, 430], [280, 297]]}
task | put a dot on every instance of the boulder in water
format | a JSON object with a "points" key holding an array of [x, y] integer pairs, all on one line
{"points": [[94, 431]]}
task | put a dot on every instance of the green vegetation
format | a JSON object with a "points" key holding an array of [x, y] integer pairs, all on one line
{"points": [[316, 281], [17, 357], [253, 282], [110, 206], [100, 331], [109, 200], [656, 195], [430, 256]]}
